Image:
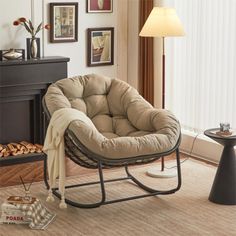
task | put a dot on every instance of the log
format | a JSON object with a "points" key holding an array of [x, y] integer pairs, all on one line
{"points": [[20, 148]]}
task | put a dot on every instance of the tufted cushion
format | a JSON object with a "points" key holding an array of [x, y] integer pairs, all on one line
{"points": [[124, 124]]}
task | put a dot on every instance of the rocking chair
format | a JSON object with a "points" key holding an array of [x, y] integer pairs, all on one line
{"points": [[127, 130]]}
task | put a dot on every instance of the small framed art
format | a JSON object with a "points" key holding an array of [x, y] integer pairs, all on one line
{"points": [[100, 46], [99, 6], [64, 22]]}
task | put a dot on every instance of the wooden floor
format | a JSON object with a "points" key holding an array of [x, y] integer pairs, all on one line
{"points": [[187, 212], [10, 175]]}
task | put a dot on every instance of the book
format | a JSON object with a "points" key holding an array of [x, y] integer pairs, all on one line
{"points": [[229, 133], [20, 200], [12, 215]]}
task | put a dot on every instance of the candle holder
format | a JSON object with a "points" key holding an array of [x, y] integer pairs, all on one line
{"points": [[224, 127]]}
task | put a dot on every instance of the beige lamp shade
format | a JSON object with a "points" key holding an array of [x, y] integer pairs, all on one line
{"points": [[162, 22]]}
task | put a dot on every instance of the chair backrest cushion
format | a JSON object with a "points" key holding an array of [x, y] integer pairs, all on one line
{"points": [[104, 100]]}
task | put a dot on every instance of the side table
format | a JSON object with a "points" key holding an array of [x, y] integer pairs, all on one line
{"points": [[223, 190]]}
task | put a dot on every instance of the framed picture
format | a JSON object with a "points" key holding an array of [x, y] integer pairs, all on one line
{"points": [[99, 6], [100, 46], [64, 22]]}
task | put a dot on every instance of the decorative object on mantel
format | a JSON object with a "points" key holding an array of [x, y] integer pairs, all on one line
{"points": [[33, 48], [12, 54], [33, 44], [99, 6], [64, 22]]}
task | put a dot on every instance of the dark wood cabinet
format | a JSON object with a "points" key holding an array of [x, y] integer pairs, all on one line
{"points": [[22, 86]]}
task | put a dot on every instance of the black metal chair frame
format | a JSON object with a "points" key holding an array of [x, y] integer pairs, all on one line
{"points": [[102, 163]]}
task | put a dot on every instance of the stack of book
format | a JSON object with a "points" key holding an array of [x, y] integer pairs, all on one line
{"points": [[11, 214], [228, 133]]}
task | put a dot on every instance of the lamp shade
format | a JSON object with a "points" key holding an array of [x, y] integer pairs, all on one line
{"points": [[162, 22]]}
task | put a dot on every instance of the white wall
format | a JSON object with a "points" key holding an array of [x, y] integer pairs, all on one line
{"points": [[198, 145], [122, 39], [12, 36], [38, 10]]}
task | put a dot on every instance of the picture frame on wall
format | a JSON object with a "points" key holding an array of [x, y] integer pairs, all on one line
{"points": [[99, 6], [100, 46], [63, 22]]}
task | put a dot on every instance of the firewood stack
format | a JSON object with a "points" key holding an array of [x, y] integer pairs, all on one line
{"points": [[23, 147]]}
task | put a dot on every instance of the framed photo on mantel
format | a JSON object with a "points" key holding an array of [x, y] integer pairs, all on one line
{"points": [[100, 46], [64, 22]]}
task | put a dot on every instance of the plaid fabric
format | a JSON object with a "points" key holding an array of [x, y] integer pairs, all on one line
{"points": [[37, 214]]}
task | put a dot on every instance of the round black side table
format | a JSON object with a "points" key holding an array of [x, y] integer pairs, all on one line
{"points": [[223, 190]]}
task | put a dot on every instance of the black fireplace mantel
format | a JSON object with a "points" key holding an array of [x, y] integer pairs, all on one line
{"points": [[22, 86]]}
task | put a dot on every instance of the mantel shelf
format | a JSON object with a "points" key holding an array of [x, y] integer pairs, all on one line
{"points": [[41, 60]]}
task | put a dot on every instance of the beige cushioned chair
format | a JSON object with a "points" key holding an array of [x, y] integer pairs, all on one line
{"points": [[121, 128]]}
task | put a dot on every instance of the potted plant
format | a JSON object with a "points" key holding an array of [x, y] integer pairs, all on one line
{"points": [[33, 32]]}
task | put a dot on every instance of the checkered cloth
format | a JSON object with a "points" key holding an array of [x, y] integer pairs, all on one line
{"points": [[37, 214]]}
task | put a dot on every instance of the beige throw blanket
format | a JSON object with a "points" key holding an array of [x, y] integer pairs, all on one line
{"points": [[54, 148]]}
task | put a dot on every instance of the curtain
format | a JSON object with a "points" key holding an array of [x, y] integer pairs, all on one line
{"points": [[146, 59], [201, 67]]}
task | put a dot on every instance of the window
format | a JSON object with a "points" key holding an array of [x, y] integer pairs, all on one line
{"points": [[201, 66]]}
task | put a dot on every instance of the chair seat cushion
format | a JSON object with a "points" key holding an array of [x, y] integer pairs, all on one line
{"points": [[111, 145]]}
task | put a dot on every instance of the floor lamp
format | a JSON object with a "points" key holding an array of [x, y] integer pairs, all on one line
{"points": [[162, 22]]}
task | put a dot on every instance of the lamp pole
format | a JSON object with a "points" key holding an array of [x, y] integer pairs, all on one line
{"points": [[163, 90], [163, 72]]}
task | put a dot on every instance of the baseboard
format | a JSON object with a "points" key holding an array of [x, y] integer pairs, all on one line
{"points": [[202, 147]]}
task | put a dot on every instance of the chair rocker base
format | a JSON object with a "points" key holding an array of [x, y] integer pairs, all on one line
{"points": [[103, 201]]}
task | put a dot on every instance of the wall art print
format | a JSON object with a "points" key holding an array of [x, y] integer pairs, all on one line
{"points": [[64, 22], [100, 46], [99, 6]]}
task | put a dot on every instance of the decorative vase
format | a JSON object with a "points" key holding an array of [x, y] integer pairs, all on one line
{"points": [[12, 54], [33, 48], [100, 4]]}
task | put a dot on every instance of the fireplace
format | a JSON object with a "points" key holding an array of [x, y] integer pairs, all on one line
{"points": [[22, 119], [22, 86]]}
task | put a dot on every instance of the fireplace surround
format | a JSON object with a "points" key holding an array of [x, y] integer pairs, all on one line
{"points": [[22, 86]]}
